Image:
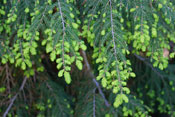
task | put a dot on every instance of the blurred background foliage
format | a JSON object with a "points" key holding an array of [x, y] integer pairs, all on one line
{"points": [[64, 58]]}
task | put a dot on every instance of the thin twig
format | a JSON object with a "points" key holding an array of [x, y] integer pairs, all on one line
{"points": [[94, 103], [93, 78], [143, 59], [101, 92], [62, 19], [115, 52], [14, 97]]}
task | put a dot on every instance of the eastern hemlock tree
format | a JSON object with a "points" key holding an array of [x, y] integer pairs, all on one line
{"points": [[87, 58]]}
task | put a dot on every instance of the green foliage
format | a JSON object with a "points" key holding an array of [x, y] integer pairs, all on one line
{"points": [[50, 101], [54, 101], [89, 103], [128, 44]]}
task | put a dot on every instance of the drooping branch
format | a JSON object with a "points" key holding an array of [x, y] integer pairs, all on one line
{"points": [[101, 92], [14, 97], [113, 39], [143, 59], [93, 78], [62, 19], [63, 26]]}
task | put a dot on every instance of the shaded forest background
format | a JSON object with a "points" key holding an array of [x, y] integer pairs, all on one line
{"points": [[83, 38]]}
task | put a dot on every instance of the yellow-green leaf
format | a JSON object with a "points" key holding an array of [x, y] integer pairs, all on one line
{"points": [[125, 98], [103, 32], [172, 55], [132, 9], [132, 74], [60, 73], [53, 56], [67, 77], [104, 82], [27, 10], [59, 65], [23, 65], [48, 48], [72, 15], [104, 14], [160, 6], [75, 25], [83, 47], [79, 64]]}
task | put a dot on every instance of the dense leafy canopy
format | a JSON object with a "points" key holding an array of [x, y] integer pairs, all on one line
{"points": [[87, 58]]}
